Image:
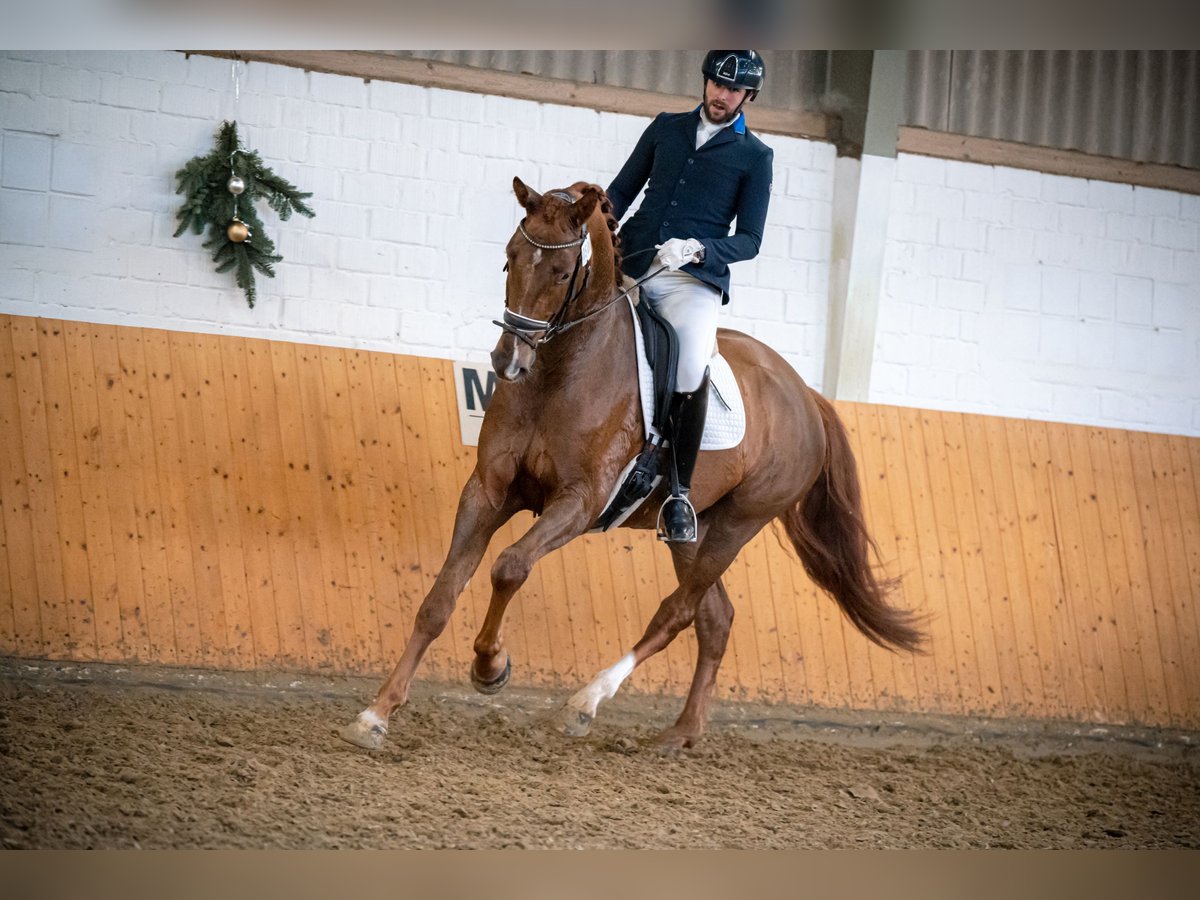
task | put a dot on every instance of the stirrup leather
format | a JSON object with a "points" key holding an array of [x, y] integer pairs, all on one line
{"points": [[684, 528]]}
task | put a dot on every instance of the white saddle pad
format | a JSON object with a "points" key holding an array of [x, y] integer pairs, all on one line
{"points": [[725, 424]]}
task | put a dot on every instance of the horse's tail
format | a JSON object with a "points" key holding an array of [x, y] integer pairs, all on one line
{"points": [[827, 529]]}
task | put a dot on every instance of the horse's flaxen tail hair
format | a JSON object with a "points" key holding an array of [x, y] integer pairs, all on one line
{"points": [[829, 534]]}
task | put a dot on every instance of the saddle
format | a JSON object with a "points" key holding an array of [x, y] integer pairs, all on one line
{"points": [[657, 355]]}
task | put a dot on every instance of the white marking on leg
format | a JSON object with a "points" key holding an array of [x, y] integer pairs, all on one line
{"points": [[603, 687], [372, 719]]}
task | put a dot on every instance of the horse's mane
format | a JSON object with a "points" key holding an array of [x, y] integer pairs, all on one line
{"points": [[606, 208]]}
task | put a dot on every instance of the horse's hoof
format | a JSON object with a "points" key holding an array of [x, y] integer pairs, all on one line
{"points": [[497, 684], [671, 742], [574, 723], [360, 734]]}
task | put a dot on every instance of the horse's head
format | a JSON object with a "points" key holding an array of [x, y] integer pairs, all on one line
{"points": [[544, 266]]}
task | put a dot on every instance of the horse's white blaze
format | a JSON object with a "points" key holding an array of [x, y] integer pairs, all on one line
{"points": [[513, 369], [371, 719], [604, 686], [537, 257]]}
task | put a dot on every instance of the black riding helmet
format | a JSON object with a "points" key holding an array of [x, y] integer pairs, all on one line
{"points": [[736, 69]]}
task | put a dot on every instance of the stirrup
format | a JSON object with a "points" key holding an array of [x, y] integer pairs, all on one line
{"points": [[687, 530]]}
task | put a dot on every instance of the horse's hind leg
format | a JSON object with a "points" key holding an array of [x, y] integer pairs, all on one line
{"points": [[474, 525], [714, 618]]}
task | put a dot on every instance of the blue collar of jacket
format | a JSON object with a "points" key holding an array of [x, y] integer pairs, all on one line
{"points": [[739, 124]]}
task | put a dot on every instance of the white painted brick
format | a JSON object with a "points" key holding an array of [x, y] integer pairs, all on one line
{"points": [[970, 176], [910, 350], [1146, 261], [76, 168], [1174, 233], [962, 235], [1018, 182], [1097, 295], [516, 114], [183, 302], [573, 121], [1123, 227], [398, 293], [458, 105], [989, 208], [1134, 300], [20, 77], [1065, 189], [1185, 267], [810, 245], [1010, 244], [315, 316], [426, 328], [73, 223], [1130, 349], [1082, 221], [423, 262], [1016, 337], [339, 90], [1171, 354], [1060, 291], [398, 98], [918, 229], [1108, 197], [24, 217], [388, 224], [1058, 249], [889, 379], [1176, 306], [70, 84], [370, 125], [298, 115], [1096, 344], [915, 169], [163, 265], [132, 93], [1035, 214], [369, 258], [1155, 202], [1058, 341], [26, 162], [40, 115], [345, 220], [17, 284], [1079, 403], [940, 201], [954, 293], [186, 100]]}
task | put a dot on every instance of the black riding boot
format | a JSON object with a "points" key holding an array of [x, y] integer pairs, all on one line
{"points": [[688, 410]]}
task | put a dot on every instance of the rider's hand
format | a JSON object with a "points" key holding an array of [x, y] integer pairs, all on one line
{"points": [[677, 252]]}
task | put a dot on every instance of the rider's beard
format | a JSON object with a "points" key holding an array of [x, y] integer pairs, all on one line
{"points": [[718, 115]]}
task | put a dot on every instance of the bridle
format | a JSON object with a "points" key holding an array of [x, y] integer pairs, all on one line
{"points": [[525, 328]]}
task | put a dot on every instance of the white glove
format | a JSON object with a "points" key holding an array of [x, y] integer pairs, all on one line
{"points": [[677, 252]]}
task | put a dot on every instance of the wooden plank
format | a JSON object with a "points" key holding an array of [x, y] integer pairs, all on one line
{"points": [[1074, 163], [379, 533], [1185, 460], [858, 658], [15, 505], [1170, 486], [210, 562], [757, 565], [269, 465], [1044, 567], [950, 555], [1076, 559], [53, 616], [1160, 604], [146, 495], [781, 559], [975, 600], [742, 638], [169, 455], [909, 553], [1042, 700], [8, 625], [101, 554], [304, 525], [121, 470], [380, 66], [246, 472], [941, 626], [1042, 583], [996, 618], [894, 672], [349, 495], [71, 536], [1126, 521]]}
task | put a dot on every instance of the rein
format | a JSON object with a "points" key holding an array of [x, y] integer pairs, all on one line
{"points": [[524, 327]]}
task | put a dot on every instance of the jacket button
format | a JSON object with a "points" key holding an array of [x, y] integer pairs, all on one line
{"points": [[674, 202], [691, 161], [681, 181], [666, 224]]}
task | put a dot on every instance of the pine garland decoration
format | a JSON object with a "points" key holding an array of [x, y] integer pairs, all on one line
{"points": [[209, 202]]}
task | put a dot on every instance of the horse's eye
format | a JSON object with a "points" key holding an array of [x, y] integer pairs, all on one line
{"points": [[563, 276]]}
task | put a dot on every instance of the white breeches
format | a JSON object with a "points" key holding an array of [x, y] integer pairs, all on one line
{"points": [[691, 306]]}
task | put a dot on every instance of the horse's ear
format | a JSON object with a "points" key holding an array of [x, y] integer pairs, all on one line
{"points": [[526, 196], [582, 208]]}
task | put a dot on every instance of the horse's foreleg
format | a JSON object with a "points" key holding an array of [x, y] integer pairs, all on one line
{"points": [[474, 525], [561, 521]]}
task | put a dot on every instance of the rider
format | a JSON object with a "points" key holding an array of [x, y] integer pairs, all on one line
{"points": [[705, 169]]}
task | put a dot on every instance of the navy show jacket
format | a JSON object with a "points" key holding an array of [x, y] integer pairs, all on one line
{"points": [[694, 194]]}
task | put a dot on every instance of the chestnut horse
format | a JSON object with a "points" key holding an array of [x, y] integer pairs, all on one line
{"points": [[564, 421]]}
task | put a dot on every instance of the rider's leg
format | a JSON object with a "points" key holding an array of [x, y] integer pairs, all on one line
{"points": [[691, 306]]}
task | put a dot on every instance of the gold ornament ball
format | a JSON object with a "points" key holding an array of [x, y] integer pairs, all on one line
{"points": [[238, 231]]}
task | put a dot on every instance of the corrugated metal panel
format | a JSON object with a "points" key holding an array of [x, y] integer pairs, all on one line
{"points": [[795, 78], [1130, 104]]}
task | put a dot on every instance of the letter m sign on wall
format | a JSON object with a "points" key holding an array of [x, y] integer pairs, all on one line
{"points": [[474, 383]]}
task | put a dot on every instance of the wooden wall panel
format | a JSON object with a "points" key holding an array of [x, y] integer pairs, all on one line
{"points": [[214, 501]]}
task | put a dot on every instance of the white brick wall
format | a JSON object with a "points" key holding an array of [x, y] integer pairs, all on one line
{"points": [[412, 188], [1005, 291], [1020, 293]]}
